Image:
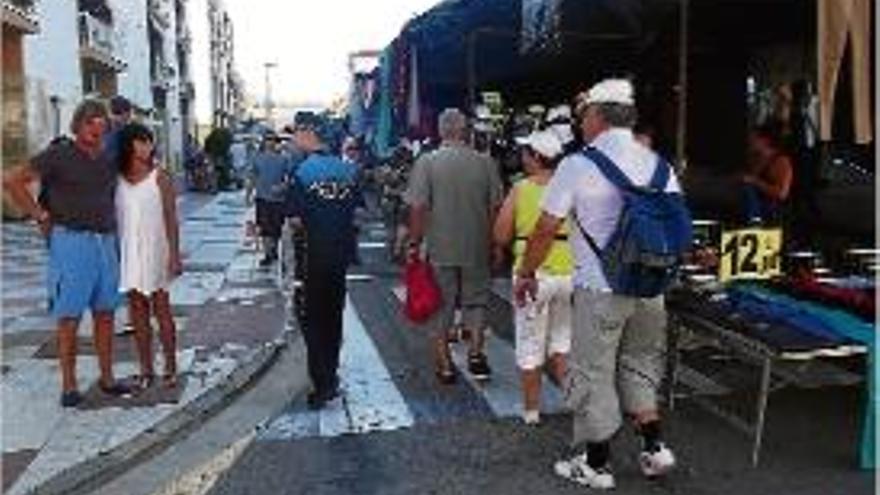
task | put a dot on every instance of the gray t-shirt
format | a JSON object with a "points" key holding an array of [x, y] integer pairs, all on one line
{"points": [[269, 171], [461, 189], [78, 189]]}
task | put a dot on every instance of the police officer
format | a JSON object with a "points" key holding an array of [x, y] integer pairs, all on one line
{"points": [[325, 195]]}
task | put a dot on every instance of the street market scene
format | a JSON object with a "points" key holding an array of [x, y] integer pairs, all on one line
{"points": [[439, 247]]}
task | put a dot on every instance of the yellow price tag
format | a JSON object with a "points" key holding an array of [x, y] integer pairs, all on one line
{"points": [[754, 253]]}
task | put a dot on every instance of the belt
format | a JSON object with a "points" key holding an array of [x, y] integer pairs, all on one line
{"points": [[558, 237]]}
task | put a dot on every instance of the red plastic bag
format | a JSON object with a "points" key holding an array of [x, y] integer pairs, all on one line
{"points": [[423, 297]]}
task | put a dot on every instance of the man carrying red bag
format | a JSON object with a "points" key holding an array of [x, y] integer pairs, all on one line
{"points": [[454, 194]]}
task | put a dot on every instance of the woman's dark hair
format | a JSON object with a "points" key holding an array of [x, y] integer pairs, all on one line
{"points": [[127, 136]]}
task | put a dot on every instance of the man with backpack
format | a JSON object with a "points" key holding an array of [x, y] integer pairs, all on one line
{"points": [[630, 228]]}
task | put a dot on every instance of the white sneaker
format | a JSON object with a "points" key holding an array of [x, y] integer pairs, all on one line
{"points": [[532, 417], [576, 469], [657, 463]]}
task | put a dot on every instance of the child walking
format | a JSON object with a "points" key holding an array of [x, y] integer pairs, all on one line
{"points": [[146, 211]]}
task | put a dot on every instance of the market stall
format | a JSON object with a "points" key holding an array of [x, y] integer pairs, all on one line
{"points": [[785, 315]]}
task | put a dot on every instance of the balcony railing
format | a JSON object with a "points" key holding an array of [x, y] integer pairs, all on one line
{"points": [[158, 14], [95, 33], [21, 15], [96, 41]]}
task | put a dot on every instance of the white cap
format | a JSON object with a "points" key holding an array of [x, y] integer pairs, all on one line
{"points": [[563, 132], [610, 91], [561, 112], [558, 120], [546, 143]]}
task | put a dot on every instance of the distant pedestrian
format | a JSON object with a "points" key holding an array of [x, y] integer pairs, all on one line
{"points": [[78, 216], [618, 341], [146, 213], [325, 196], [766, 185], [240, 158], [352, 153], [543, 326], [558, 120], [269, 175], [454, 194], [120, 116]]}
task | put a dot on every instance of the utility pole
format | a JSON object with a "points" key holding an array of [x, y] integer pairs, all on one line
{"points": [[268, 66], [681, 131]]}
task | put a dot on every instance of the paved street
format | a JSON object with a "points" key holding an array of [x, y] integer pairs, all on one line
{"points": [[229, 315], [396, 432]]}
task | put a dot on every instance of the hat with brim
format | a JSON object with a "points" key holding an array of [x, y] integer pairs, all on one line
{"points": [[546, 143], [619, 91]]}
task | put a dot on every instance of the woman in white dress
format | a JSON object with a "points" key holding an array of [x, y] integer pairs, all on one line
{"points": [[149, 249]]}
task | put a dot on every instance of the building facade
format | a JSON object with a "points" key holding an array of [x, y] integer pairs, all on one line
{"points": [[57, 52], [219, 95], [20, 20]]}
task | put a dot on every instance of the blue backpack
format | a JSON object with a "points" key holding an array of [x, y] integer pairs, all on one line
{"points": [[653, 232]]}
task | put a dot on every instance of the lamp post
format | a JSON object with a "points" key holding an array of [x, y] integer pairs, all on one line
{"points": [[268, 66]]}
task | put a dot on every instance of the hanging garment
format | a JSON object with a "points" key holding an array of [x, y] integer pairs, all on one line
{"points": [[841, 21]]}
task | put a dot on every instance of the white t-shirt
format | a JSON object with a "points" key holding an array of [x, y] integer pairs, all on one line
{"points": [[578, 185]]}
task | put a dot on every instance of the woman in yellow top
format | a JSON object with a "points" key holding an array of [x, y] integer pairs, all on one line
{"points": [[543, 327]]}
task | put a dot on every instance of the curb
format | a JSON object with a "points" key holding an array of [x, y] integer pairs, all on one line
{"points": [[120, 458]]}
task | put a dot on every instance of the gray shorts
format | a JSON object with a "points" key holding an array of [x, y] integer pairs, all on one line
{"points": [[616, 363], [465, 288]]}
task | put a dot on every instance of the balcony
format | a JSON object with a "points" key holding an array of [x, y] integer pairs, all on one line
{"points": [[187, 90], [21, 15], [96, 42], [184, 41], [158, 15], [162, 77]]}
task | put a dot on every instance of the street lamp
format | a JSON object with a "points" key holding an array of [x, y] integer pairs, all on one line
{"points": [[268, 66]]}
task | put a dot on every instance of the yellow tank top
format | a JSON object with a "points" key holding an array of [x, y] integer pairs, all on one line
{"points": [[527, 210]]}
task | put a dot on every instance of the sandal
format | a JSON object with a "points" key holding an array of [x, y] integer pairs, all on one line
{"points": [[71, 398], [446, 376], [169, 380], [143, 382], [116, 389]]}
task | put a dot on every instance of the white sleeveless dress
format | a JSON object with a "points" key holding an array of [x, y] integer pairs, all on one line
{"points": [[143, 242]]}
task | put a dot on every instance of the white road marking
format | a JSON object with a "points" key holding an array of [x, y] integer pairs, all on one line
{"points": [[370, 401], [502, 391]]}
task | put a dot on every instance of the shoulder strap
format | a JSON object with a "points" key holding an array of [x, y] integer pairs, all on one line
{"points": [[587, 237], [660, 179], [611, 171]]}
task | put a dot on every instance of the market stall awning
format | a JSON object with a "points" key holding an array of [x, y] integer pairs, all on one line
{"points": [[458, 40]]}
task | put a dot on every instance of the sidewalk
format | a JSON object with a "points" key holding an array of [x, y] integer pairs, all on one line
{"points": [[231, 319]]}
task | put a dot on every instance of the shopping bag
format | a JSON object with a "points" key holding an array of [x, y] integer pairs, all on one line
{"points": [[423, 297]]}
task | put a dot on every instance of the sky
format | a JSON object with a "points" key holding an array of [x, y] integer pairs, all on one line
{"points": [[310, 41]]}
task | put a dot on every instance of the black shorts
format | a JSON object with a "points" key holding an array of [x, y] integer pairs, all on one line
{"points": [[270, 218]]}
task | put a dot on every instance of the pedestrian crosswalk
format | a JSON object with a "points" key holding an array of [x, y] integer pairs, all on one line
{"points": [[371, 401]]}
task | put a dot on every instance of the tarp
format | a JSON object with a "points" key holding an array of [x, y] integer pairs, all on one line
{"points": [[480, 42]]}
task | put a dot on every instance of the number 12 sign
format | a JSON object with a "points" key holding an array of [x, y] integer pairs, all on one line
{"points": [[750, 254]]}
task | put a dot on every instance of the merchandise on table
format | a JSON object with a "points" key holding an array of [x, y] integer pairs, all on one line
{"points": [[859, 301], [766, 305]]}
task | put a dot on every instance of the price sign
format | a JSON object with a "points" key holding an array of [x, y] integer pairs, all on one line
{"points": [[750, 254]]}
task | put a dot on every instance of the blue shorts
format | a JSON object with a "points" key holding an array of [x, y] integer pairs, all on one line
{"points": [[83, 272]]}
